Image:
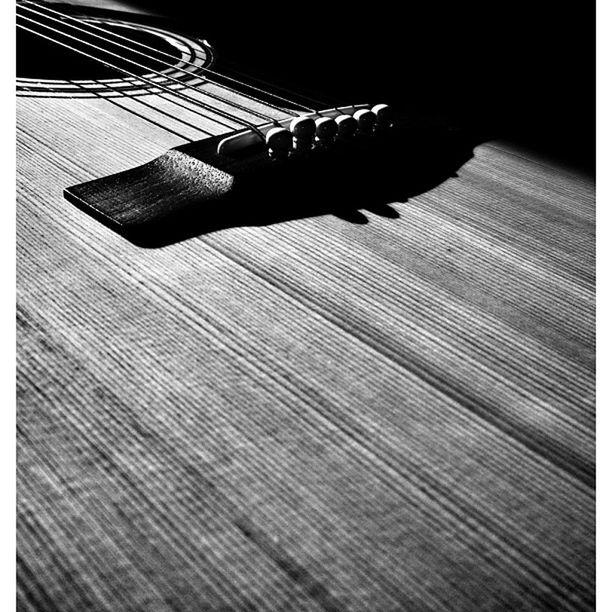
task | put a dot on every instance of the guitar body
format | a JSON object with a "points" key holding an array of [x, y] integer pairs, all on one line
{"points": [[355, 404]]}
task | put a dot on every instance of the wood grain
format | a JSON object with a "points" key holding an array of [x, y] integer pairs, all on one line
{"points": [[309, 415]]}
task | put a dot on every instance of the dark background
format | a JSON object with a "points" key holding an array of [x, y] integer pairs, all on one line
{"points": [[518, 70]]}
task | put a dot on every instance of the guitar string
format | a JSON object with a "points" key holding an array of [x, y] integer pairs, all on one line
{"points": [[145, 81], [186, 85], [216, 111], [133, 112], [202, 68], [138, 99], [151, 82], [310, 99]]}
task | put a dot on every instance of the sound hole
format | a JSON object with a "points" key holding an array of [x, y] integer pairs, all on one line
{"points": [[38, 58]]}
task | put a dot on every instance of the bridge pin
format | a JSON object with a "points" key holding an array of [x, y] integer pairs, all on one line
{"points": [[303, 130], [279, 141], [366, 120], [347, 126], [384, 115], [326, 130]]}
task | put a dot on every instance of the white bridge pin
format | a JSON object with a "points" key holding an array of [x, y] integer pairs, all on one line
{"points": [[384, 115], [347, 126], [326, 130], [279, 141], [303, 130], [366, 120]]}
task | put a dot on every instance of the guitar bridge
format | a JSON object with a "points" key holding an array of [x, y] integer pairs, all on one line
{"points": [[254, 178]]}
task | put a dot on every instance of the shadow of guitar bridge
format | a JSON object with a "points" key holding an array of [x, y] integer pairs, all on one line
{"points": [[375, 178]]}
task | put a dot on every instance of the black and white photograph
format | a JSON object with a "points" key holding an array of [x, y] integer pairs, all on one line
{"points": [[305, 303]]}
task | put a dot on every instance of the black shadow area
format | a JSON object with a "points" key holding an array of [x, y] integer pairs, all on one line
{"points": [[367, 178]]}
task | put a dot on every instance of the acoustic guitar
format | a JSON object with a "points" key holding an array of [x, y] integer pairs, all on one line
{"points": [[276, 353]]}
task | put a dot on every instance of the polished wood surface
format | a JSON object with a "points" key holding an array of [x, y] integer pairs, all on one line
{"points": [[316, 413]]}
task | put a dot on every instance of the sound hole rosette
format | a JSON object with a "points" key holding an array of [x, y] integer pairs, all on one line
{"points": [[193, 55]]}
